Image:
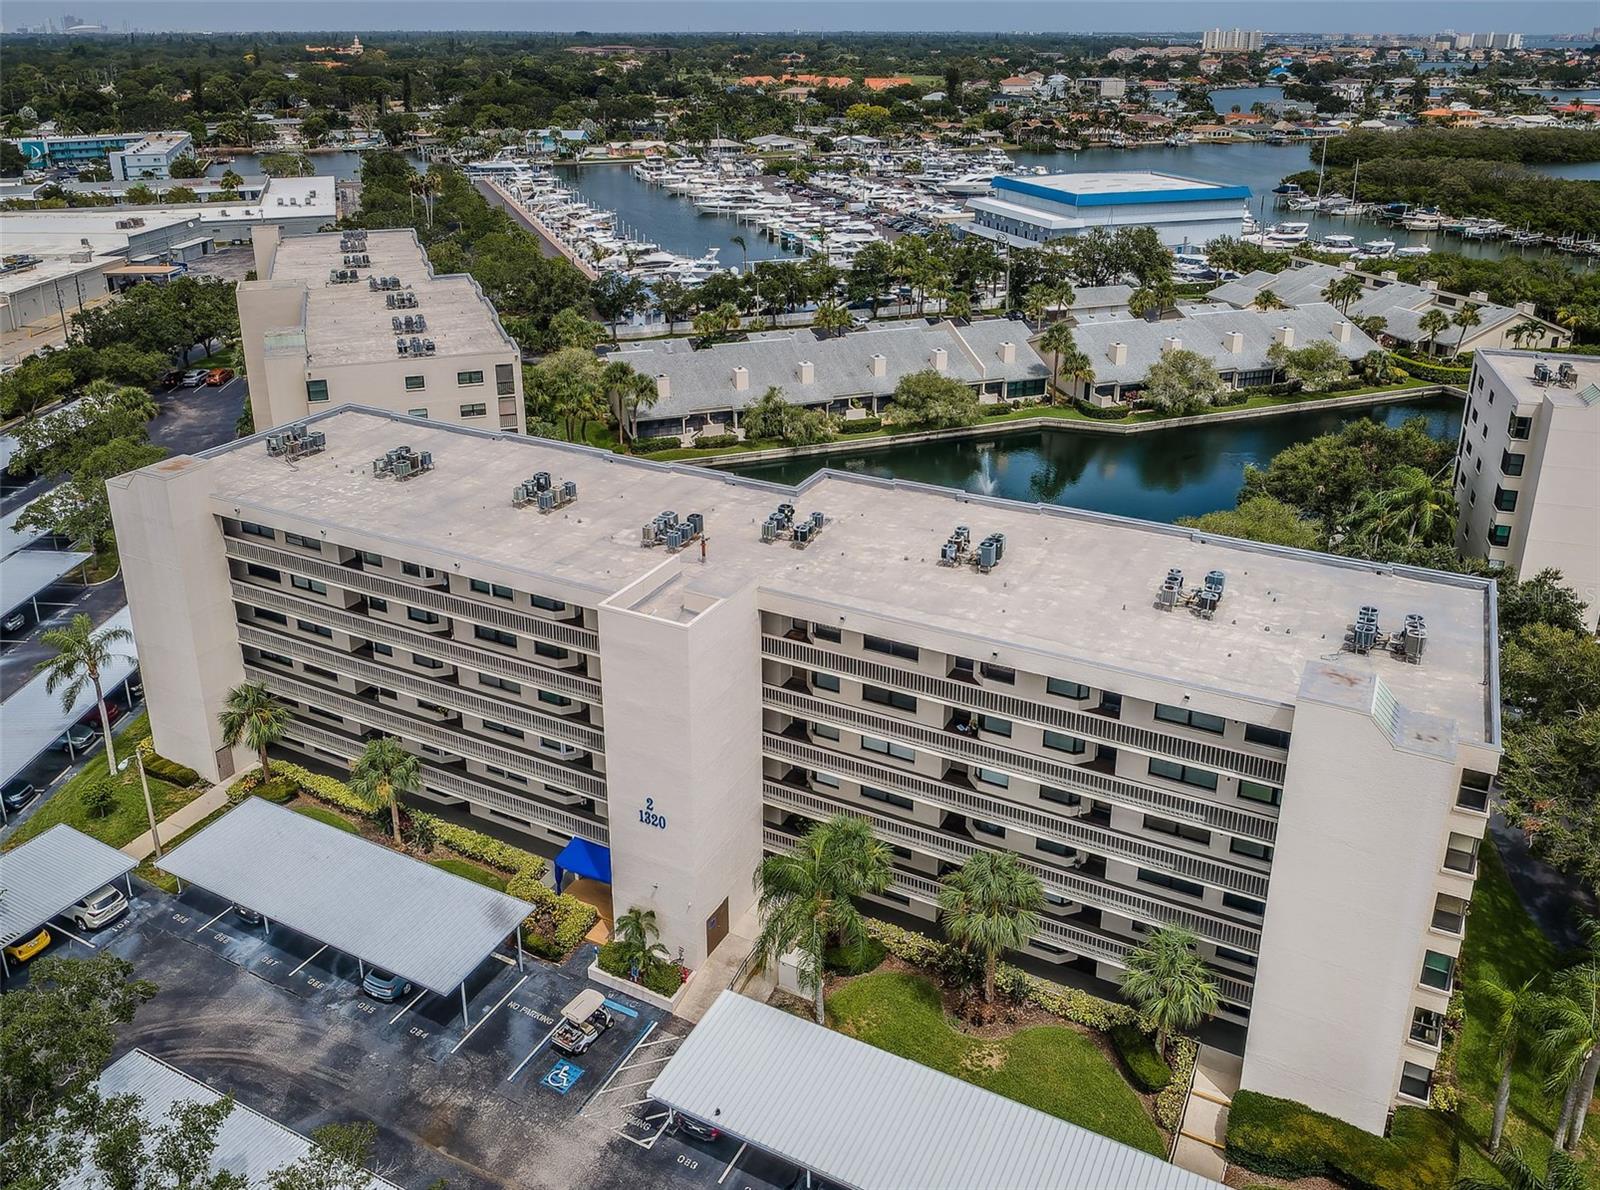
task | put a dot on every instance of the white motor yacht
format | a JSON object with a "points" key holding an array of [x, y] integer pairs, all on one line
{"points": [[1337, 245], [1378, 249], [976, 182]]}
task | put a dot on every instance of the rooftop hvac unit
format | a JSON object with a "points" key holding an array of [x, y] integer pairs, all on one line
{"points": [[1415, 641], [416, 345], [540, 481], [569, 491], [1167, 596], [372, 284], [395, 323], [547, 500], [401, 469], [400, 346], [1566, 375], [802, 533], [950, 552], [1541, 372], [988, 554], [274, 444], [769, 531], [519, 496], [962, 534], [422, 323], [1216, 580], [427, 347]]}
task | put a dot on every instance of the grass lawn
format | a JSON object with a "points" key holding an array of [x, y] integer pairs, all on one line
{"points": [[472, 871], [329, 817], [127, 820], [1505, 945], [1053, 1068]]}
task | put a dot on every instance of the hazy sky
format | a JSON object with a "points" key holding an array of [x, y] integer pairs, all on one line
{"points": [[764, 16]]}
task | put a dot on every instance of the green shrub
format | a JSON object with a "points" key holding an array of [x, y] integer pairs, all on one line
{"points": [[99, 798], [169, 770], [1284, 1139], [861, 425], [1429, 370], [557, 924], [420, 830], [323, 789], [1114, 413], [501, 856], [716, 441], [1174, 1097], [644, 446], [996, 409], [611, 960], [664, 979], [278, 790], [854, 960], [1146, 1069]]}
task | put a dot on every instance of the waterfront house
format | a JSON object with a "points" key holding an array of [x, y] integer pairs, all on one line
{"points": [[710, 389]]}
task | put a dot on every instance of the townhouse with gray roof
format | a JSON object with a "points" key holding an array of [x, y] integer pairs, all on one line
{"points": [[1401, 305], [712, 387]]}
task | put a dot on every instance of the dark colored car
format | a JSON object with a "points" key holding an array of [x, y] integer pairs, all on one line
{"points": [[171, 378], [17, 794], [249, 916], [678, 1122]]}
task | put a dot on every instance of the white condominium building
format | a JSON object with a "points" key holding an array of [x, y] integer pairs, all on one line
{"points": [[360, 316], [1528, 467], [691, 668], [151, 156], [1231, 40]]}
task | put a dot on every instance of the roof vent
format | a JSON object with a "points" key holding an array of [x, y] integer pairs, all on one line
{"points": [[402, 463], [296, 442], [959, 550], [543, 492], [1203, 600], [666, 529]]}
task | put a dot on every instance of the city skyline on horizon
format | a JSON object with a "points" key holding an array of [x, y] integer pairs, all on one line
{"points": [[778, 17]]}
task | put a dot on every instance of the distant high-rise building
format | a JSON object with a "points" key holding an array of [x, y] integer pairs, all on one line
{"points": [[1225, 41], [1488, 41]]}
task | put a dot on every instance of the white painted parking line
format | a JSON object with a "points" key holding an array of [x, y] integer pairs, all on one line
{"points": [[533, 1051], [650, 1142], [309, 957], [733, 1162], [649, 1029], [647, 1062], [488, 1014], [74, 937], [213, 921], [662, 1040], [624, 1086], [408, 1007]]}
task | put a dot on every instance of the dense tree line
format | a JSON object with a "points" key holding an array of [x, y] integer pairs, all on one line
{"points": [[1528, 146]]}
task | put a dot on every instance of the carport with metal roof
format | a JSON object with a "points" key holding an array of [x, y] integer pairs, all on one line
{"points": [[49, 874], [862, 1117], [385, 909]]}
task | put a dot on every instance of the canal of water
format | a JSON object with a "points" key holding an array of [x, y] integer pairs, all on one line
{"points": [[1157, 476]]}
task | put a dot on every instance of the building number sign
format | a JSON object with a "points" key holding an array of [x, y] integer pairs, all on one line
{"points": [[649, 817]]}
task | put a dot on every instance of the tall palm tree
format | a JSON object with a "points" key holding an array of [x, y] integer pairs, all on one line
{"points": [[1561, 1173], [991, 905], [1266, 299], [744, 251], [1416, 507], [807, 899], [1059, 342], [1528, 330], [1578, 319], [1466, 318], [82, 654], [1515, 1009], [383, 772], [641, 392], [1569, 1041], [251, 713], [1432, 324], [1341, 291], [1035, 303], [1168, 983], [831, 318]]}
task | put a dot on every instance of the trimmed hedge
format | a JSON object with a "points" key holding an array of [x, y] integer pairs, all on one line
{"points": [[861, 425], [167, 770], [1428, 370], [557, 924], [1172, 1099], [1098, 413], [644, 446], [277, 791], [491, 852], [1146, 1069], [1284, 1139], [716, 441], [323, 789]]}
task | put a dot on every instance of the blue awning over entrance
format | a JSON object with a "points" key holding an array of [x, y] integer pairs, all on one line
{"points": [[583, 858]]}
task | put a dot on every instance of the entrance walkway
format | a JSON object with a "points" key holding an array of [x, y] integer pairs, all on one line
{"points": [[592, 892], [1204, 1129], [182, 819], [714, 975]]}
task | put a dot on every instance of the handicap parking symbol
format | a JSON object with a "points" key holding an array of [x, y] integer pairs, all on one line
{"points": [[563, 1077]]}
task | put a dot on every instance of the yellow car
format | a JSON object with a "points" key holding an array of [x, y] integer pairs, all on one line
{"points": [[24, 949]]}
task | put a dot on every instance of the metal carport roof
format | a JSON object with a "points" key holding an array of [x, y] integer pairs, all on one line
{"points": [[27, 572], [862, 1117], [248, 1143], [49, 873], [386, 909]]}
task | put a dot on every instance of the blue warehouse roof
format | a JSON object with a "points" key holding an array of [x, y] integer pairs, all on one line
{"points": [[1120, 189]]}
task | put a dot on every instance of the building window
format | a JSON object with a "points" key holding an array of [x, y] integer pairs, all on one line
{"points": [[1178, 830], [265, 573], [317, 671], [1055, 848], [995, 724], [502, 729], [368, 558], [374, 604], [1059, 796], [422, 615], [825, 682], [476, 409], [1251, 848], [1449, 914], [988, 828], [305, 543], [1473, 793], [314, 629], [883, 795], [999, 673], [271, 617], [251, 529], [1416, 1082], [1062, 742], [411, 570], [879, 644], [380, 649], [415, 383], [825, 779], [545, 603], [1166, 880], [480, 587], [827, 632], [275, 658], [316, 390], [1519, 427], [1461, 853], [541, 649], [824, 731], [1499, 535], [1198, 720], [1065, 689], [1236, 956], [554, 699], [1270, 736], [889, 698], [499, 683], [497, 635], [1512, 464], [887, 748], [990, 777], [418, 659], [505, 381], [1183, 773], [1254, 791], [1244, 904], [301, 583], [1505, 499], [421, 411], [465, 379]]}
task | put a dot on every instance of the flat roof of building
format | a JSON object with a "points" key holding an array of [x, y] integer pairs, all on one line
{"points": [[62, 233], [1074, 585], [860, 1116], [50, 270], [1110, 188], [394, 912], [350, 323], [1515, 368], [248, 1143], [52, 872]]}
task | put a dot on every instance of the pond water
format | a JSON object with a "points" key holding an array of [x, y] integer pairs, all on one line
{"points": [[1157, 476]]}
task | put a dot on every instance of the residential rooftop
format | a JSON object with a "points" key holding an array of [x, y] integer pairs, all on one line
{"points": [[1073, 585], [1515, 369], [349, 323]]}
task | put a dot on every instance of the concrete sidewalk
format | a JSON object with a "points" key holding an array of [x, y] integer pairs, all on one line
{"points": [[713, 975], [175, 824], [1204, 1129]]}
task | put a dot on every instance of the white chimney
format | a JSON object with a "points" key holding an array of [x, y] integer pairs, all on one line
{"points": [[663, 385], [1008, 353], [1389, 275], [941, 359], [1431, 286], [1171, 343], [1118, 353], [741, 379], [1233, 342], [1348, 266], [1477, 295], [1284, 335], [1526, 308], [880, 364], [806, 371], [1341, 331]]}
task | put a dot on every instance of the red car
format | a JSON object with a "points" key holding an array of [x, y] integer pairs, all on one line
{"points": [[219, 376]]}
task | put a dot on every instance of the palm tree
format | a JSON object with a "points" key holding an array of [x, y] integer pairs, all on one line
{"points": [[744, 251], [1569, 1041], [383, 772], [958, 304], [1168, 983], [1432, 324], [806, 898], [1268, 300], [991, 905], [1515, 1010], [1528, 330], [1416, 507], [1149, 301], [636, 935], [1466, 318], [1341, 291], [252, 714], [1579, 318], [831, 318], [82, 654], [640, 392], [1059, 342], [1034, 305], [1561, 1173]]}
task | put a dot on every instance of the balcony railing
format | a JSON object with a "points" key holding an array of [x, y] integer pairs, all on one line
{"points": [[1079, 723]]}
